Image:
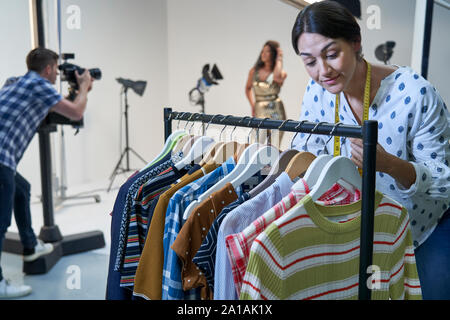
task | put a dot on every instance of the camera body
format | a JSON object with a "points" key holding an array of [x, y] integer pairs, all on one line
{"points": [[68, 71], [68, 74]]}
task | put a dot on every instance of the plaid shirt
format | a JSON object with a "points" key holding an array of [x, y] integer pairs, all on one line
{"points": [[24, 103], [239, 244], [172, 288]]}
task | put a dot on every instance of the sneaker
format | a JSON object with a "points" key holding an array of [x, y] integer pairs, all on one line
{"points": [[8, 290], [39, 250]]}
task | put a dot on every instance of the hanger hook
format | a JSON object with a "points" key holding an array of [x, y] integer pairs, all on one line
{"points": [[192, 125], [312, 131], [251, 130], [284, 122], [197, 116], [188, 120], [259, 125], [331, 136], [178, 124], [216, 115], [200, 116], [298, 126], [231, 135], [226, 117]]}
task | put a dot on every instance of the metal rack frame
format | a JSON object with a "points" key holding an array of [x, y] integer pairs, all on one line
{"points": [[368, 132]]}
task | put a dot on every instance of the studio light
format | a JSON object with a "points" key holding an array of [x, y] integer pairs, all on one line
{"points": [[137, 86], [384, 51], [209, 78]]}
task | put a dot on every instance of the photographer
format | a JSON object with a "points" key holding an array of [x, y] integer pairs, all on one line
{"points": [[24, 103]]}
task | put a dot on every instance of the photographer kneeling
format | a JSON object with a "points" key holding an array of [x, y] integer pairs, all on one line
{"points": [[24, 103]]}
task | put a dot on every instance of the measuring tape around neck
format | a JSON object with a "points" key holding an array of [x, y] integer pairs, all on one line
{"points": [[337, 141]]}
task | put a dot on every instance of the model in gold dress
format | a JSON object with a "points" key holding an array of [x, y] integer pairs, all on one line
{"points": [[264, 83]]}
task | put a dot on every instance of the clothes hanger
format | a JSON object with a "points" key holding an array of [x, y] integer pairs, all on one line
{"points": [[210, 154], [225, 151], [244, 146], [169, 145], [240, 150], [188, 145], [278, 167], [183, 145], [299, 164], [241, 147], [240, 166], [338, 168], [267, 155], [301, 161], [315, 168], [195, 154]]}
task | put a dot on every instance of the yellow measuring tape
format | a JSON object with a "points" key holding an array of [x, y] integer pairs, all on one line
{"points": [[337, 141]]}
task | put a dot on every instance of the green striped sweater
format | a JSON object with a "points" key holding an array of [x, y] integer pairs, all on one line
{"points": [[312, 252]]}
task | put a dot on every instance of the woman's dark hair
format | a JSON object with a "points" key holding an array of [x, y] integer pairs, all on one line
{"points": [[40, 58], [328, 18], [273, 45]]}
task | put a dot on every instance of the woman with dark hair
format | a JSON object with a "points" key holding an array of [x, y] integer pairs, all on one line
{"points": [[413, 152], [264, 83]]}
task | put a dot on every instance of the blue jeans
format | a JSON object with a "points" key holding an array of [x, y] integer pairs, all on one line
{"points": [[15, 194], [433, 262]]}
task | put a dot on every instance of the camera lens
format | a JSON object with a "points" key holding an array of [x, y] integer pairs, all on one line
{"points": [[96, 73]]}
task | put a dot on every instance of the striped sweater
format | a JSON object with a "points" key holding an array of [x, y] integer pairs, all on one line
{"points": [[312, 252]]}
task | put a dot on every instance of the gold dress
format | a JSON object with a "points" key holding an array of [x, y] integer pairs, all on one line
{"points": [[267, 102]]}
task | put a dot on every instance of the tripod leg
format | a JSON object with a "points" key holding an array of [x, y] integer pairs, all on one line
{"points": [[118, 164], [114, 174], [111, 181], [137, 155]]}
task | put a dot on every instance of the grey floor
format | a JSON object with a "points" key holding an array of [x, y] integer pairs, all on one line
{"points": [[79, 276]]}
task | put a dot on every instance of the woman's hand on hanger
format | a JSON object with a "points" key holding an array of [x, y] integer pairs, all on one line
{"points": [[401, 170]]}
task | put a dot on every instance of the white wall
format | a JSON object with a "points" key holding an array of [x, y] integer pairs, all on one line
{"points": [[396, 22], [124, 39]]}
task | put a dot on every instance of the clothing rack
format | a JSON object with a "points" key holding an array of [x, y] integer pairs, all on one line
{"points": [[368, 132]]}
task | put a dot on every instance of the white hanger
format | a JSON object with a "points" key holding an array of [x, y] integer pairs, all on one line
{"points": [[315, 168], [338, 168], [267, 155], [240, 166], [173, 136], [199, 148]]}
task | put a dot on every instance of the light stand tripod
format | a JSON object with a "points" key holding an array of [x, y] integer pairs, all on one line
{"points": [[126, 152]]}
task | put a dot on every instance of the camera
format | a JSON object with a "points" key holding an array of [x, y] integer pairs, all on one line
{"points": [[68, 74], [68, 71]]}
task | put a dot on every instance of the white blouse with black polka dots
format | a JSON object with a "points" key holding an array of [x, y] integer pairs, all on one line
{"points": [[413, 124]]}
